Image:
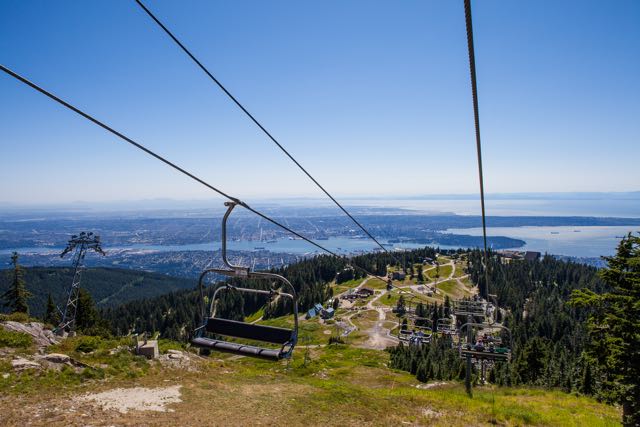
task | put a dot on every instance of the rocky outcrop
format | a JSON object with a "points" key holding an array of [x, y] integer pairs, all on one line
{"points": [[57, 358], [21, 364], [41, 337]]}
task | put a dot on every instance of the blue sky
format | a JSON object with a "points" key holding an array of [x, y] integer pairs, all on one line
{"points": [[372, 97]]}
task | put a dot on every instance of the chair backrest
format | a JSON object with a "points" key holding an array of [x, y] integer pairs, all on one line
{"points": [[235, 329]]}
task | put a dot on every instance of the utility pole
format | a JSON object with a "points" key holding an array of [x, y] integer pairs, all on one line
{"points": [[80, 244]]}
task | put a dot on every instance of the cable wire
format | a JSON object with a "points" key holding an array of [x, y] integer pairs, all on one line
{"points": [[476, 117], [167, 162], [257, 123]]}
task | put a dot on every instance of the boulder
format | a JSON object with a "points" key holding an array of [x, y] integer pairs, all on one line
{"points": [[41, 337], [57, 358]]}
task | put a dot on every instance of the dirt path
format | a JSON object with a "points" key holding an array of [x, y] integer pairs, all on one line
{"points": [[379, 336]]}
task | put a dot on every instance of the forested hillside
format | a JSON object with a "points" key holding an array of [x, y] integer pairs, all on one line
{"points": [[549, 335], [175, 314], [109, 287]]}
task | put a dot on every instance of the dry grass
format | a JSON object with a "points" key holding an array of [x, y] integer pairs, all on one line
{"points": [[339, 385]]}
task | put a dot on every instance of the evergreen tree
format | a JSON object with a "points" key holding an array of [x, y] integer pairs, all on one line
{"points": [[86, 315], [51, 315], [15, 298], [401, 308], [613, 328]]}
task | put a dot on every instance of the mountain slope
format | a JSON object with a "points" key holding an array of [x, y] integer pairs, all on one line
{"points": [[324, 386], [109, 287]]}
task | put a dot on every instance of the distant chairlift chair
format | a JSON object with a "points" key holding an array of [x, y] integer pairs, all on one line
{"points": [[285, 338], [446, 326], [419, 334], [492, 349]]}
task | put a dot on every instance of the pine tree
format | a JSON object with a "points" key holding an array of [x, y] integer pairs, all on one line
{"points": [[401, 308], [51, 315], [586, 384], [15, 298], [613, 328], [86, 315]]}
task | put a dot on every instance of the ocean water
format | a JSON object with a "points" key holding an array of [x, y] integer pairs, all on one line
{"points": [[570, 241], [592, 207]]}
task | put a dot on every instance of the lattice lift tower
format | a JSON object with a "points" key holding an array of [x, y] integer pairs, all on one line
{"points": [[80, 244]]}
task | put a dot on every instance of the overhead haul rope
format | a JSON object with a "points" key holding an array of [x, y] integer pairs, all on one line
{"points": [[169, 163], [262, 128], [476, 117]]}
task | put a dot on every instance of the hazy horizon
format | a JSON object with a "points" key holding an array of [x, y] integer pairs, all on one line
{"points": [[591, 204], [379, 105]]}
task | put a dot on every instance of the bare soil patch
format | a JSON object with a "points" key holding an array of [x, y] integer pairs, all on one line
{"points": [[124, 400]]}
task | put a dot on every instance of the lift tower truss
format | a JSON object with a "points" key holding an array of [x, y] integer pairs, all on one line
{"points": [[79, 244]]}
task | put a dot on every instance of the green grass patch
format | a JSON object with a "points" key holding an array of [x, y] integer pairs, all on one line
{"points": [[255, 316], [376, 284], [14, 339], [354, 387], [445, 271], [449, 286], [311, 331], [460, 269], [390, 299]]}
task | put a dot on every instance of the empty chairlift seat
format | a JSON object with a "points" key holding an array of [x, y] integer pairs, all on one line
{"points": [[217, 328], [233, 328]]}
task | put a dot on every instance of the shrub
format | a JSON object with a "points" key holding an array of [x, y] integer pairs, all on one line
{"points": [[92, 373], [14, 339], [17, 317], [335, 340], [88, 344]]}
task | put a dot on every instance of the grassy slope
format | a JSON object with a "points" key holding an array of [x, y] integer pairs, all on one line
{"points": [[339, 385], [108, 286]]}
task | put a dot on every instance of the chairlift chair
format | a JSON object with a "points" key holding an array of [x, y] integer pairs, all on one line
{"points": [[494, 350], [417, 334], [445, 326], [470, 308], [285, 338]]}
